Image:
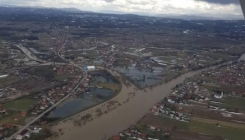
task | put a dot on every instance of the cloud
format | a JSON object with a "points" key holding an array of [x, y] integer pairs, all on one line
{"points": [[223, 2], [140, 6], [109, 1]]}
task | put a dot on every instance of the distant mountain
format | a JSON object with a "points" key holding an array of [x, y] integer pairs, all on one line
{"points": [[74, 10], [204, 17], [125, 13], [69, 10], [112, 12]]}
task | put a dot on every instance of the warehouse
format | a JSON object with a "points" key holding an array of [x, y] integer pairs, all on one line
{"points": [[3, 76], [88, 68]]}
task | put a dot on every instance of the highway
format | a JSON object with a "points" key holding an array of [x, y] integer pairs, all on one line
{"points": [[30, 54], [63, 99]]}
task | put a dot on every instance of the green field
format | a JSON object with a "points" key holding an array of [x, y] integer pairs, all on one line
{"points": [[11, 131], [228, 133], [40, 136], [163, 122], [22, 104], [63, 77], [8, 81], [207, 79], [153, 134], [10, 119], [234, 103], [43, 71]]}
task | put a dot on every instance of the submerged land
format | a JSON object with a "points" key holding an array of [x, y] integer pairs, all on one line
{"points": [[72, 75]]}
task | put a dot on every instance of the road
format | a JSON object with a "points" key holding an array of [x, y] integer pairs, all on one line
{"points": [[30, 54], [52, 107], [113, 121]]}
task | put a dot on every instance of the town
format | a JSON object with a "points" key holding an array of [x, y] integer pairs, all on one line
{"points": [[62, 71], [211, 103]]}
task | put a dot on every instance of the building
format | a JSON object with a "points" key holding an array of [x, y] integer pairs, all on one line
{"points": [[3, 76], [23, 134], [219, 96], [88, 68]]}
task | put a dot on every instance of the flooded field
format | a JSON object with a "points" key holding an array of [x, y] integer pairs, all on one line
{"points": [[142, 76], [71, 106], [122, 117], [91, 96]]}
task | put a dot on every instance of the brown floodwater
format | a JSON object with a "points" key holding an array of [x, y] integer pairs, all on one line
{"points": [[122, 117]]}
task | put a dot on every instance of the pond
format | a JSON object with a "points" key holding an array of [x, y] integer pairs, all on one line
{"points": [[91, 97]]}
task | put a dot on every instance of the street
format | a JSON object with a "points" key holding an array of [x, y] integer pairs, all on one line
{"points": [[49, 109]]}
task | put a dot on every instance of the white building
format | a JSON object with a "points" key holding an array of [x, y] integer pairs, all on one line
{"points": [[88, 68], [219, 96], [3, 76]]}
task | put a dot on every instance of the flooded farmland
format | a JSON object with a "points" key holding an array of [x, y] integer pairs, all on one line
{"points": [[91, 96], [142, 76]]}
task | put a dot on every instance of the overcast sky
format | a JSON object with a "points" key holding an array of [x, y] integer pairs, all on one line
{"points": [[140, 6]]}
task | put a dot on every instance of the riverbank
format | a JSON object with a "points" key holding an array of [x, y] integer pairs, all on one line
{"points": [[129, 106], [127, 110]]}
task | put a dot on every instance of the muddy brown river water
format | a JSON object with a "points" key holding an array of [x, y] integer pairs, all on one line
{"points": [[122, 117]]}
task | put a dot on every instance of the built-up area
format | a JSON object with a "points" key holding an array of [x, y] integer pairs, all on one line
{"points": [[210, 103], [52, 60]]}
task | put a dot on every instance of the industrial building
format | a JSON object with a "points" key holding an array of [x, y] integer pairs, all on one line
{"points": [[89, 68], [3, 76]]}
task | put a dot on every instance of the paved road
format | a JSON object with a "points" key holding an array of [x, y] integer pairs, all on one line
{"points": [[123, 116], [49, 109], [30, 54]]}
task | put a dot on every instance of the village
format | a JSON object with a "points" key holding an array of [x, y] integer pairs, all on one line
{"points": [[48, 67], [215, 98]]}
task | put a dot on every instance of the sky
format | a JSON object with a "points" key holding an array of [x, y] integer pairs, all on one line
{"points": [[190, 7]]}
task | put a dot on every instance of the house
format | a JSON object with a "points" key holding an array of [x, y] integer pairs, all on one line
{"points": [[9, 126], [128, 132], [19, 137], [23, 114], [167, 133], [2, 110], [116, 138], [219, 96], [17, 117], [161, 111], [154, 109], [22, 134], [143, 136], [36, 130], [121, 134], [42, 107], [227, 115], [152, 128], [171, 101]]}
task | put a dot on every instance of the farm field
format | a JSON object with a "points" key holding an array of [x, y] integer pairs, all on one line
{"points": [[196, 128], [22, 104]]}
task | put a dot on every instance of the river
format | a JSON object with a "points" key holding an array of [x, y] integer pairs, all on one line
{"points": [[122, 117]]}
